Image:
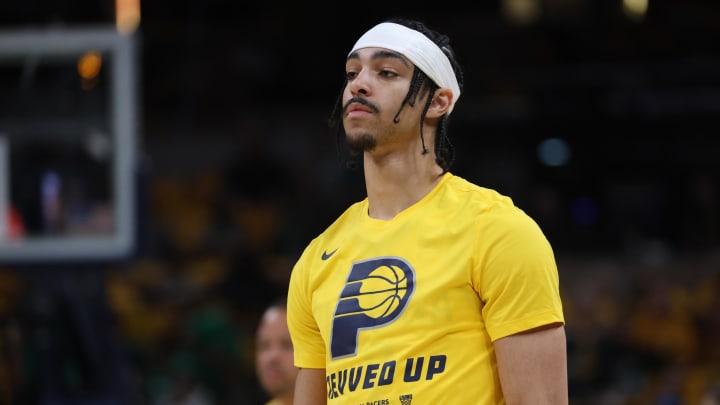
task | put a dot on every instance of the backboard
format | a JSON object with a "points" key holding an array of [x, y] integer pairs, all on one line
{"points": [[68, 129]]}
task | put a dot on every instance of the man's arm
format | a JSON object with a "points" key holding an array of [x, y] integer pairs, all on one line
{"points": [[310, 387], [533, 366]]}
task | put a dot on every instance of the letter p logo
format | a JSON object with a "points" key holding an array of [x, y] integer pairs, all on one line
{"points": [[375, 294]]}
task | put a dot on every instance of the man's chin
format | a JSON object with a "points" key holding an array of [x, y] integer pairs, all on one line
{"points": [[360, 141]]}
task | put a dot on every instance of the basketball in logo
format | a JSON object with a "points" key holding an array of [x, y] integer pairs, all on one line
{"points": [[382, 291]]}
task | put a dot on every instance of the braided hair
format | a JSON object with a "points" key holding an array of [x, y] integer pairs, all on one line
{"points": [[444, 149]]}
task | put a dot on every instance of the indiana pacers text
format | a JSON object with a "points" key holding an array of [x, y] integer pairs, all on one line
{"points": [[376, 374]]}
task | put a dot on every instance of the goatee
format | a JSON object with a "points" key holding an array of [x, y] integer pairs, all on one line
{"points": [[360, 143]]}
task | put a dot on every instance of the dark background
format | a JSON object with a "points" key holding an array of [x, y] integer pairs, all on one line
{"points": [[240, 172], [637, 101]]}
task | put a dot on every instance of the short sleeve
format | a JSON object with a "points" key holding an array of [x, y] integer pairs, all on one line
{"points": [[517, 277], [308, 345]]}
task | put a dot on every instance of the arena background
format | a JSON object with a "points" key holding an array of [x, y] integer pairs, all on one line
{"points": [[601, 123]]}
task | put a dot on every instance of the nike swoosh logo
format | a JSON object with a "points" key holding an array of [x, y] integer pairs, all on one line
{"points": [[327, 255]]}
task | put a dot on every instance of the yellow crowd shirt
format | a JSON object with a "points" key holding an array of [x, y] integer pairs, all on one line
{"points": [[405, 311]]}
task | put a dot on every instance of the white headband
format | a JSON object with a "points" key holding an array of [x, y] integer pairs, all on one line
{"points": [[421, 51]]}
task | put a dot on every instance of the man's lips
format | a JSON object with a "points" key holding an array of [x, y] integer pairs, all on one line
{"points": [[356, 109], [358, 106]]}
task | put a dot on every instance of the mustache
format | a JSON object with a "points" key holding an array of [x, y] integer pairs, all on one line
{"points": [[360, 100]]}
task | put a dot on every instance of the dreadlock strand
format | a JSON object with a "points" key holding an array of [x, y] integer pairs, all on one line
{"points": [[336, 113], [416, 83], [444, 149], [431, 93]]}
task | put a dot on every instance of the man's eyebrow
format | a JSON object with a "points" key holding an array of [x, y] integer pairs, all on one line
{"points": [[381, 54]]}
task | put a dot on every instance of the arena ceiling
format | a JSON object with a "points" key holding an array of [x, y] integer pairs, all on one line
{"points": [[581, 54]]}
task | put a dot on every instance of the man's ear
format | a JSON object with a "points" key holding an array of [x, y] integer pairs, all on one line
{"points": [[441, 103]]}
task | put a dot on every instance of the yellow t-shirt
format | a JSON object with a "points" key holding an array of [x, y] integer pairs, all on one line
{"points": [[405, 311]]}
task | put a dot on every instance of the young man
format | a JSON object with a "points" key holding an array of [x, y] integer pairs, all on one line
{"points": [[432, 290], [274, 355]]}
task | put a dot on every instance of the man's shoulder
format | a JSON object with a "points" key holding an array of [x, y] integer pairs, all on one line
{"points": [[482, 197]]}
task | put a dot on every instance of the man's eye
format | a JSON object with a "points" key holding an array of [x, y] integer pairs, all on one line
{"points": [[350, 75], [387, 73]]}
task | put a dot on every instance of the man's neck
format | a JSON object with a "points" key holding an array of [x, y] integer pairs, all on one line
{"points": [[395, 183]]}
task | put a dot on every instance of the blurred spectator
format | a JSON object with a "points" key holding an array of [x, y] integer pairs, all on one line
{"points": [[274, 355], [15, 227]]}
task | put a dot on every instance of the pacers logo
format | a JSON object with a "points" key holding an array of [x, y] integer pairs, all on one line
{"points": [[376, 293]]}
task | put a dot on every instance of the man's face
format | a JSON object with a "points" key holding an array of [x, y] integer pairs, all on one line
{"points": [[377, 83], [274, 353]]}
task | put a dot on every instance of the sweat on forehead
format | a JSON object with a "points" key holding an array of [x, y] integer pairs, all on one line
{"points": [[418, 48]]}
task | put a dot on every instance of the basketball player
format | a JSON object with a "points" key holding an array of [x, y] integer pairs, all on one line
{"points": [[431, 290], [274, 355]]}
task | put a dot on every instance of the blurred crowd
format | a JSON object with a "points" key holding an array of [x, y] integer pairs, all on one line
{"points": [[176, 323], [643, 333]]}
